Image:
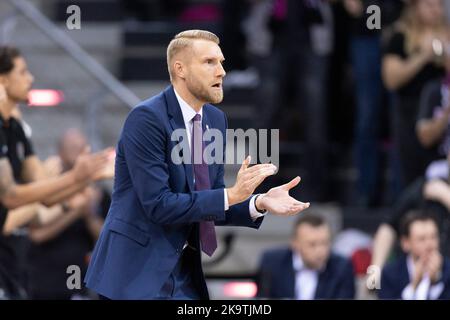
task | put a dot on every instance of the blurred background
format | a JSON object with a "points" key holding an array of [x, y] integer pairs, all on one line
{"points": [[312, 69]]}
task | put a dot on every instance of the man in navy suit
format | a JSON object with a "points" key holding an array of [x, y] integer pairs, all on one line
{"points": [[307, 270], [163, 212], [422, 273]]}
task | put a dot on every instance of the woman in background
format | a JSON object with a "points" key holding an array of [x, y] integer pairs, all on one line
{"points": [[412, 57]]}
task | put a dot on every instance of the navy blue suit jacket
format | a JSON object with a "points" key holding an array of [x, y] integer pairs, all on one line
{"points": [[154, 207], [395, 278], [276, 277]]}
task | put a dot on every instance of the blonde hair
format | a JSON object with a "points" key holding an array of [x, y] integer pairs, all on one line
{"points": [[412, 28], [184, 40]]}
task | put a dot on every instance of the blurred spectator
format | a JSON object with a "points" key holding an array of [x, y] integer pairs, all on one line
{"points": [[386, 234], [365, 53], [233, 39], [431, 196], [264, 28], [412, 58], [439, 191], [309, 46], [69, 238], [22, 180], [433, 132], [433, 123], [307, 270], [422, 273], [34, 213]]}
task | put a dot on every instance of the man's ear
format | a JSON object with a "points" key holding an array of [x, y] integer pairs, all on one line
{"points": [[179, 69], [4, 80], [404, 243], [293, 243]]}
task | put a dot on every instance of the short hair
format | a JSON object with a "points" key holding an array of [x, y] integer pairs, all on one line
{"points": [[184, 40], [312, 219], [7, 56], [414, 216]]}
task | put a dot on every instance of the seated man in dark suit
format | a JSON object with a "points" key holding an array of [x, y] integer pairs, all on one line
{"points": [[422, 273], [307, 270]]}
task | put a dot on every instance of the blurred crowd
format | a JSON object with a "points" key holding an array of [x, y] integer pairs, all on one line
{"points": [[51, 212], [405, 66], [292, 54], [309, 268], [327, 71], [298, 48]]}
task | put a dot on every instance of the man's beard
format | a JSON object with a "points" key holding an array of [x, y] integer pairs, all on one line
{"points": [[19, 98], [203, 94]]}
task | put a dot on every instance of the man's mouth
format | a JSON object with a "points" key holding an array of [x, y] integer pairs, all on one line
{"points": [[217, 85]]}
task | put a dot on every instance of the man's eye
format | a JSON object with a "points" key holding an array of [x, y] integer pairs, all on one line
{"points": [[209, 61]]}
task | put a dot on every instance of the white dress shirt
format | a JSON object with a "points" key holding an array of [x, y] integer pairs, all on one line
{"points": [[425, 290], [188, 114], [305, 279]]}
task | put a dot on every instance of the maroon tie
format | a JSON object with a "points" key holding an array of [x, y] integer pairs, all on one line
{"points": [[208, 239]]}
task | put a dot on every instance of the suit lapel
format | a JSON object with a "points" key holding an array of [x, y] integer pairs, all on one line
{"points": [[403, 274], [289, 277], [321, 284], [177, 122]]}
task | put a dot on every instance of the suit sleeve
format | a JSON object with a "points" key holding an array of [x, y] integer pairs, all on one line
{"points": [[389, 289], [144, 146], [238, 214], [263, 278], [3, 155], [347, 287]]}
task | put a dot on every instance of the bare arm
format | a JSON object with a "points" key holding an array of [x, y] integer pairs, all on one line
{"points": [[382, 244], [429, 131], [107, 172], [396, 71], [13, 195], [52, 230], [30, 214], [438, 190], [66, 193], [32, 169], [19, 217]]}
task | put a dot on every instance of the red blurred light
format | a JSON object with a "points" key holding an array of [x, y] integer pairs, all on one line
{"points": [[240, 289], [45, 98]]}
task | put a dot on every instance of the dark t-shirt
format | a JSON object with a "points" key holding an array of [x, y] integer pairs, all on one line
{"points": [[396, 45], [435, 97], [48, 261], [16, 147]]}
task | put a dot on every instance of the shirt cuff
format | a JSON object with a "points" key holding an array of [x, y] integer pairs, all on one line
{"points": [[408, 293], [435, 291], [225, 195], [254, 214]]}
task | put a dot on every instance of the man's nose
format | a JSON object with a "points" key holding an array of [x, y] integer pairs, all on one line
{"points": [[222, 71]]}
